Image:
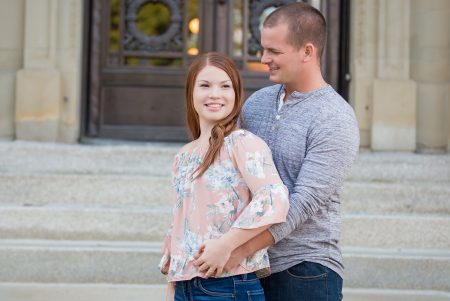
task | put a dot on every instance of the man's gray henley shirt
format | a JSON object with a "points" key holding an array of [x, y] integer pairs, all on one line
{"points": [[314, 139]]}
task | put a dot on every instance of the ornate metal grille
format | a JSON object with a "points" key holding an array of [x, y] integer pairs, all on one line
{"points": [[134, 39], [151, 33], [258, 11]]}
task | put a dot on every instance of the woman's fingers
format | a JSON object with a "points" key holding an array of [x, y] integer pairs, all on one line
{"points": [[219, 272], [199, 254], [203, 267], [165, 269], [199, 261], [210, 272]]}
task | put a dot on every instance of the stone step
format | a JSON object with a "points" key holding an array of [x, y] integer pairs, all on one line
{"points": [[135, 263], [155, 159], [80, 262], [398, 231], [401, 167], [91, 191], [120, 292], [397, 269], [394, 198], [20, 157], [364, 294], [81, 292], [119, 191], [84, 224]]}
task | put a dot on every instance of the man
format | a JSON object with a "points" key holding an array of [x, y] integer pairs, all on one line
{"points": [[314, 138]]}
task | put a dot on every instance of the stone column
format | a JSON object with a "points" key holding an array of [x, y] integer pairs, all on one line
{"points": [[49, 87], [11, 60], [69, 61], [430, 68], [39, 83], [363, 63], [394, 94]]}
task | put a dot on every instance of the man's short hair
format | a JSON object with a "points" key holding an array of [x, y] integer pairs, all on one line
{"points": [[305, 24]]}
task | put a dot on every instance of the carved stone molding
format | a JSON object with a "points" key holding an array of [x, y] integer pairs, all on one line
{"points": [[393, 39], [364, 23], [41, 24]]}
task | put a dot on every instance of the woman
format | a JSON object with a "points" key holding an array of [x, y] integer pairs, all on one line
{"points": [[226, 191]]}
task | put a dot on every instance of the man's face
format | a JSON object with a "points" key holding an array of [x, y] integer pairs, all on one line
{"points": [[283, 60]]}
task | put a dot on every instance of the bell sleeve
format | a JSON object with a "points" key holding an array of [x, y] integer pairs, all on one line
{"points": [[269, 202]]}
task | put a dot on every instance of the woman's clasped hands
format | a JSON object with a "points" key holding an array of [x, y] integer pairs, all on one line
{"points": [[212, 257]]}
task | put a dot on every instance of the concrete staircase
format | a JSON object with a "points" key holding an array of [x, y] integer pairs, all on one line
{"points": [[86, 222]]}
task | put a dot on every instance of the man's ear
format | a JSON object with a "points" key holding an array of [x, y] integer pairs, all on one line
{"points": [[309, 51]]}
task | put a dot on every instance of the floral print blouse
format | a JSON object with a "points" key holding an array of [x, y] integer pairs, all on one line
{"points": [[240, 189]]}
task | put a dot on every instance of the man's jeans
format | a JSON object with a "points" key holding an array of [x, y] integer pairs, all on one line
{"points": [[306, 281], [245, 287]]}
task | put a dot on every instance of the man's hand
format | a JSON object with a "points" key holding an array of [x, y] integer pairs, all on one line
{"points": [[237, 256], [263, 240]]}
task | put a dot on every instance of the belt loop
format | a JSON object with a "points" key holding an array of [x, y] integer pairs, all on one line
{"points": [[244, 276]]}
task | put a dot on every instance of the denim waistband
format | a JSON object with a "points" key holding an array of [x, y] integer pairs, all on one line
{"points": [[241, 277]]}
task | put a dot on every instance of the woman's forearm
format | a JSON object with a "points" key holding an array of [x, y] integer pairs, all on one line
{"points": [[259, 242], [237, 237]]}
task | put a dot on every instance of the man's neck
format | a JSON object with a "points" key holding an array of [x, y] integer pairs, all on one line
{"points": [[310, 81], [304, 88]]}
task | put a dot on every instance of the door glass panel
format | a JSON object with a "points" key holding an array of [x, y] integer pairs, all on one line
{"points": [[247, 19], [152, 33], [238, 28], [193, 28], [153, 19], [114, 26]]}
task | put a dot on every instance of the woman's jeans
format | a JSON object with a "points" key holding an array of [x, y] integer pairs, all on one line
{"points": [[306, 281], [237, 288]]}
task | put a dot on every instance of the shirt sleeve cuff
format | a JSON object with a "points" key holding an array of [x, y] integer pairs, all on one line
{"points": [[278, 231]]}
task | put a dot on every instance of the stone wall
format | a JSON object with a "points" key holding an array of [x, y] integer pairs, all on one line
{"points": [[48, 87], [11, 57], [400, 54]]}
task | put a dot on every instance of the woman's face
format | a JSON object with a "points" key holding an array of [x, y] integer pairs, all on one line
{"points": [[213, 95]]}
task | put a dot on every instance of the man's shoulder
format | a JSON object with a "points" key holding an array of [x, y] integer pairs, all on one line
{"points": [[332, 104], [260, 103], [269, 92]]}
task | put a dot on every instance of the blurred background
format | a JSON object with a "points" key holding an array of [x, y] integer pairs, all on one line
{"points": [[92, 112]]}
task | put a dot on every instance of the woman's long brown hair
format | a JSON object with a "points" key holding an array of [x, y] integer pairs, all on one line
{"points": [[223, 127]]}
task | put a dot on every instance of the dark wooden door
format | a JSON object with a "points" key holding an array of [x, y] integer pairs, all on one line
{"points": [[140, 50]]}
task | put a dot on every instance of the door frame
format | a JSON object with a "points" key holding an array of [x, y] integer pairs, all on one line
{"points": [[91, 56]]}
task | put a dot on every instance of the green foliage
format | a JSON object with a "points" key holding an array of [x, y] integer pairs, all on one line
{"points": [[114, 34], [153, 19]]}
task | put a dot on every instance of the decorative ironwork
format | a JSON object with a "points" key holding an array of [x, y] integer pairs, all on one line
{"points": [[256, 9], [170, 40]]}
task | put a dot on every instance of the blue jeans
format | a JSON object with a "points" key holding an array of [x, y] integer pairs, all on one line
{"points": [[306, 281], [237, 288]]}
